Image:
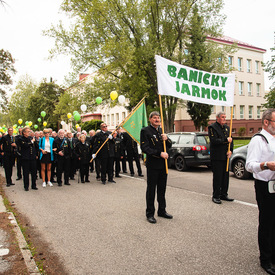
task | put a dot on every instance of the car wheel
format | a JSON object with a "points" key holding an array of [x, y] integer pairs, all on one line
{"points": [[180, 163], [239, 169]]}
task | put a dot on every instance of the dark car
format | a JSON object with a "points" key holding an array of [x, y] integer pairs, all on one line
{"points": [[237, 163], [189, 149]]}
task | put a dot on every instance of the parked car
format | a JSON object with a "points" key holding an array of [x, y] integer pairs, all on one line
{"points": [[237, 163], [189, 149]]}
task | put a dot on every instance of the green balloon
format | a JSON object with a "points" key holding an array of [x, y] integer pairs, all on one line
{"points": [[75, 112], [35, 126], [98, 100], [39, 119], [77, 117], [43, 113], [26, 123]]}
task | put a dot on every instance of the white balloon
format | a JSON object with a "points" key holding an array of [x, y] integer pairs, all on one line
{"points": [[121, 99], [62, 122], [83, 107]]}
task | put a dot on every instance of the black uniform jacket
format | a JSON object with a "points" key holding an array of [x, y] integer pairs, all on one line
{"points": [[129, 144], [108, 150], [6, 142], [29, 149], [218, 135], [62, 145], [152, 145], [83, 152]]}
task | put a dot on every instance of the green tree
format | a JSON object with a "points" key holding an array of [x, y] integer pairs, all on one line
{"points": [[119, 39], [270, 68], [19, 100], [6, 71], [45, 98], [202, 55]]}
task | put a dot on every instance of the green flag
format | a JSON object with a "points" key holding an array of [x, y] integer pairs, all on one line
{"points": [[136, 121]]}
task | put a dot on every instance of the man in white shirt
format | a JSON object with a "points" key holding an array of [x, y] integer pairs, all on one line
{"points": [[261, 162]]}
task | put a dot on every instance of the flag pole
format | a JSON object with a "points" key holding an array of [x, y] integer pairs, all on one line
{"points": [[230, 132], [120, 124], [162, 127]]}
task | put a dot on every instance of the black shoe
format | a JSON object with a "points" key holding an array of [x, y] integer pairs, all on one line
{"points": [[12, 183], [66, 183], [19, 178], [104, 182], [87, 181], [165, 215], [268, 268], [215, 200], [132, 175], [72, 178], [151, 219], [34, 188], [8, 185], [112, 181], [125, 172], [118, 176], [26, 189], [53, 181], [140, 175], [98, 179], [226, 198], [59, 184]]}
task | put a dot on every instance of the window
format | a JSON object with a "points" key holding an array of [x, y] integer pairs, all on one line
{"points": [[223, 109], [230, 61], [104, 118], [242, 111], [258, 89], [248, 64], [233, 130], [113, 119], [251, 130], [258, 112], [117, 118], [186, 139], [240, 88], [123, 115], [108, 119], [213, 109], [250, 112], [259, 129], [240, 63], [234, 111], [257, 67], [249, 88]]}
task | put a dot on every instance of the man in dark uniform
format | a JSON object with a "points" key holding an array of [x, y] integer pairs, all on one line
{"points": [[73, 157], [18, 156], [132, 153], [219, 139], [29, 149], [106, 154], [151, 140], [122, 150], [8, 147], [63, 152]]}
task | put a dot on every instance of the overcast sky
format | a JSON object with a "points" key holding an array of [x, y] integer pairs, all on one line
{"points": [[22, 22]]}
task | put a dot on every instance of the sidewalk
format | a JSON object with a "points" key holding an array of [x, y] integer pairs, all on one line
{"points": [[15, 257]]}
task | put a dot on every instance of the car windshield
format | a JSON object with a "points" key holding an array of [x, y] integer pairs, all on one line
{"points": [[174, 138], [203, 140]]}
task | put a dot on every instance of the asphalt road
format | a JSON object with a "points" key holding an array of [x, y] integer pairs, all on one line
{"points": [[97, 229]]}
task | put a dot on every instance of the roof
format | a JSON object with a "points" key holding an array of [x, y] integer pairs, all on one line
{"points": [[231, 41]]}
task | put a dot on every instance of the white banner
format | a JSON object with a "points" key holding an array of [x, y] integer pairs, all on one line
{"points": [[194, 85]]}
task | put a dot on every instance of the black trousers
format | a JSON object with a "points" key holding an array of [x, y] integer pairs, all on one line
{"points": [[156, 179], [117, 165], [107, 167], [19, 167], [63, 165], [266, 229], [131, 158], [8, 161], [97, 167], [73, 167], [29, 167], [220, 178], [84, 171]]}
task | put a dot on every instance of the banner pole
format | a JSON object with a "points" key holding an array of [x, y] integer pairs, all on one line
{"points": [[162, 127], [120, 124], [230, 132]]}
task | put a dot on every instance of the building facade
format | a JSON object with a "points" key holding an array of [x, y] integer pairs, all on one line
{"points": [[249, 92]]}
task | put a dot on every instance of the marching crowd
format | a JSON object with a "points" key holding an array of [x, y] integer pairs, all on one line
{"points": [[55, 156]]}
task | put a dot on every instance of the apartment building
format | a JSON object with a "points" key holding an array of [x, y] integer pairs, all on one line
{"points": [[249, 90]]}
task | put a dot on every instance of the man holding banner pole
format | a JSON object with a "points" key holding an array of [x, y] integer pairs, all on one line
{"points": [[219, 135], [152, 141]]}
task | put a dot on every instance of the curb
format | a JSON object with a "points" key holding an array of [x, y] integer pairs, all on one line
{"points": [[22, 244]]}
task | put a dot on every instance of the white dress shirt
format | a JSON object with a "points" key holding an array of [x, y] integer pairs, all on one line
{"points": [[261, 151]]}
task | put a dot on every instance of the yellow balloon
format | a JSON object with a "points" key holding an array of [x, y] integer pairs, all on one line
{"points": [[20, 121], [113, 95], [44, 123], [30, 123], [14, 126], [15, 131], [69, 115], [77, 125]]}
